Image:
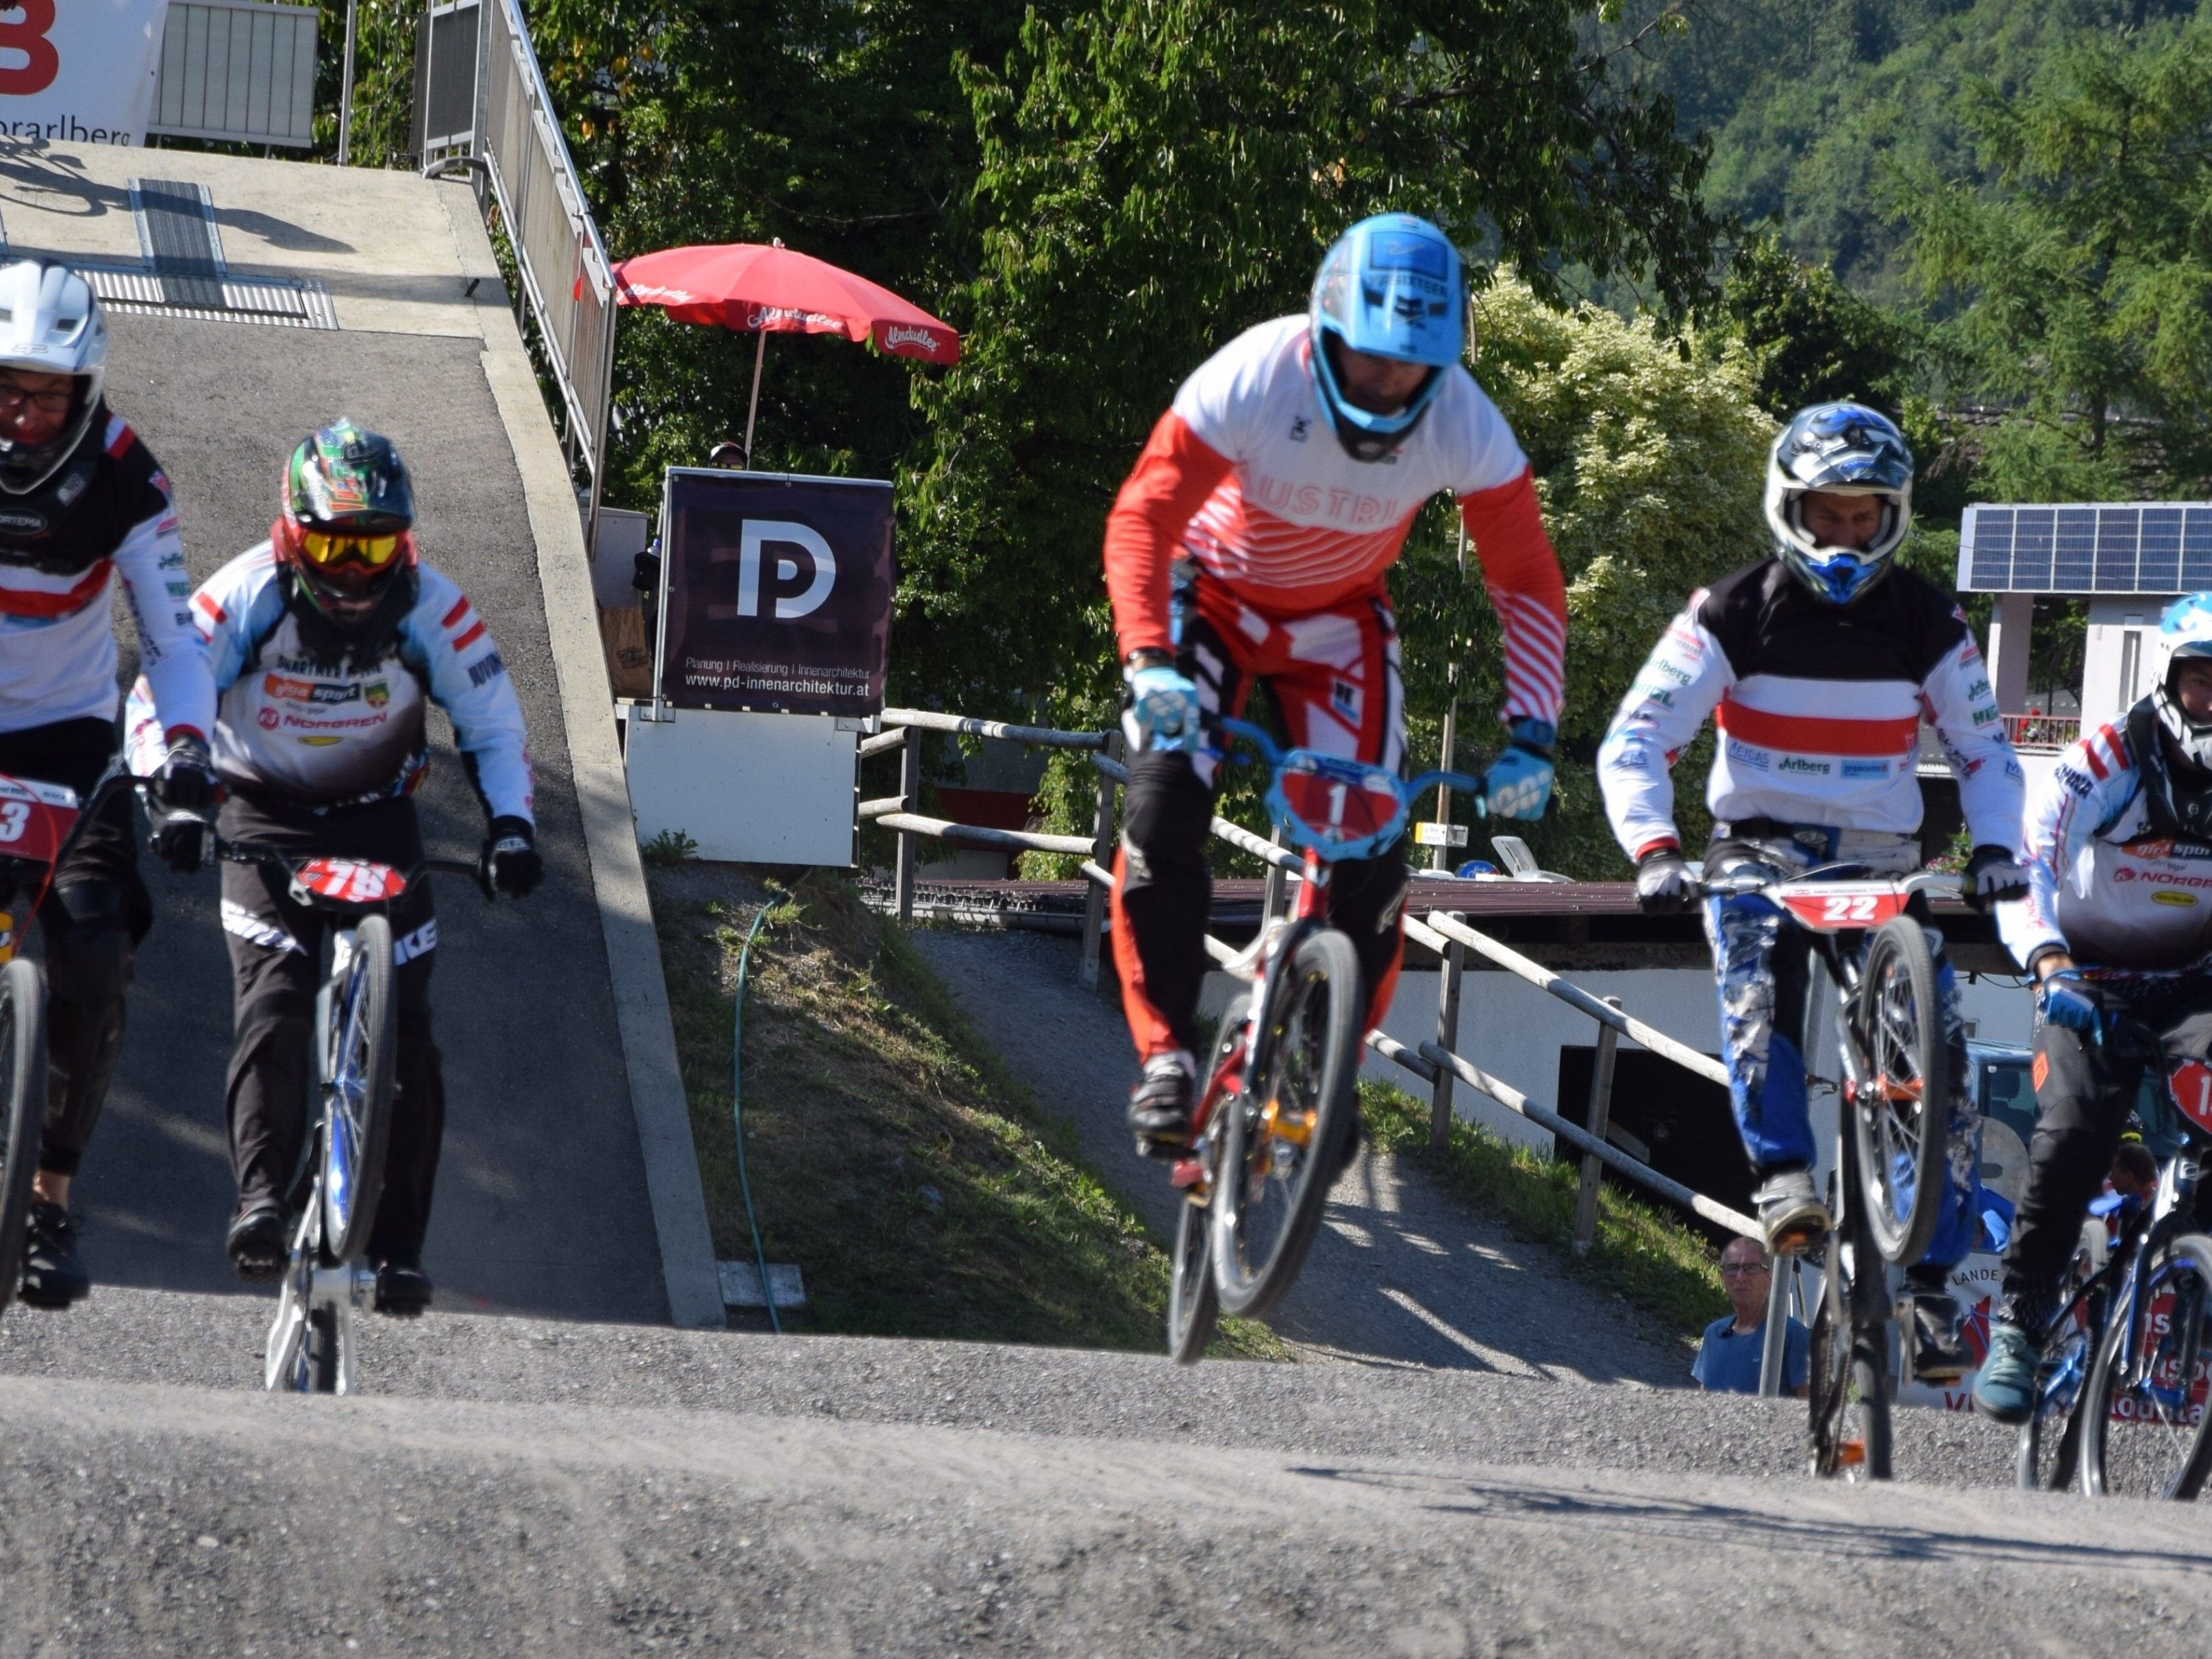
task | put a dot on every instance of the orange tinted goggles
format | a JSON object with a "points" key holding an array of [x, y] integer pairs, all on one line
{"points": [[327, 549]]}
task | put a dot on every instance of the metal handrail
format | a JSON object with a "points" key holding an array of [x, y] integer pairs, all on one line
{"points": [[1435, 1063]]}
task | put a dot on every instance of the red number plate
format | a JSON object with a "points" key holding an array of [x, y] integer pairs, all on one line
{"points": [[349, 881], [1835, 909], [35, 820], [2192, 1082]]}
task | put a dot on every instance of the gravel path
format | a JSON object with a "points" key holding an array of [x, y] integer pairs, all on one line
{"points": [[1403, 1272], [158, 1521]]}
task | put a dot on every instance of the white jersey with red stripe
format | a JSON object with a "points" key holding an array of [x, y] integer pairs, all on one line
{"points": [[60, 551], [323, 734], [2105, 883], [1818, 707], [1245, 474]]}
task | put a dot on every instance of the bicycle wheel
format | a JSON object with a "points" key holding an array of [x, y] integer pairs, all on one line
{"points": [[1849, 1381], [1192, 1303], [2144, 1429], [1901, 1117], [1281, 1140], [22, 1111], [362, 1041]]}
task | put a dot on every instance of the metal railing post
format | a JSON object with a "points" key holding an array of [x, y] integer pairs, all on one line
{"points": [[1440, 1096], [1772, 1350], [909, 799], [1601, 1120], [1102, 854]]}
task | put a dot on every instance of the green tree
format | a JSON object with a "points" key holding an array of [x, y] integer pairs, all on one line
{"points": [[2079, 281], [1155, 175]]}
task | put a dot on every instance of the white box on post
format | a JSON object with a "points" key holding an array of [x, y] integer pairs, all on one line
{"points": [[746, 788]]}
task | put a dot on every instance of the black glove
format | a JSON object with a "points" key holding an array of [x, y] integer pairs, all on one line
{"points": [[184, 841], [510, 861], [1994, 875], [186, 781], [1663, 883]]}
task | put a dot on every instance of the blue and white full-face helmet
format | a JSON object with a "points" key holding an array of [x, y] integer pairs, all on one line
{"points": [[1391, 287], [1842, 449], [2184, 632]]}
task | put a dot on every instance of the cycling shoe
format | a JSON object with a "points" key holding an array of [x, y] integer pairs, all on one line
{"points": [[54, 1276], [1159, 1107], [402, 1288], [1790, 1213], [1928, 1323], [257, 1242]]}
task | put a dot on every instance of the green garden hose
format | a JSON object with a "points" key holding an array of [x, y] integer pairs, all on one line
{"points": [[737, 1114]]}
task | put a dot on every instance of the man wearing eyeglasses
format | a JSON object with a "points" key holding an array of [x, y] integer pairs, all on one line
{"points": [[328, 642], [1729, 1359], [83, 502]]}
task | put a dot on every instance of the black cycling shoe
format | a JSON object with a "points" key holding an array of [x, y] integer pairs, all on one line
{"points": [[402, 1288], [1928, 1320], [1159, 1107], [53, 1277], [257, 1242], [1347, 1145]]}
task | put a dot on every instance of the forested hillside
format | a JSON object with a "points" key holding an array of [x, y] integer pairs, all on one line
{"points": [[1819, 110]]}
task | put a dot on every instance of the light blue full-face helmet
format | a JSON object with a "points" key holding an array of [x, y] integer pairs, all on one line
{"points": [[1839, 449], [1390, 287], [2185, 633]]}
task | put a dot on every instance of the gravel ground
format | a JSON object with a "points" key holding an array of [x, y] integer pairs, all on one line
{"points": [[157, 1520], [1402, 1273]]}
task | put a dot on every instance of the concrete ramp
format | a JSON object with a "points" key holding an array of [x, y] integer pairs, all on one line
{"points": [[543, 1199]]}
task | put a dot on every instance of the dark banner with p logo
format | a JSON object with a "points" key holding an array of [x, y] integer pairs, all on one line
{"points": [[777, 590]]}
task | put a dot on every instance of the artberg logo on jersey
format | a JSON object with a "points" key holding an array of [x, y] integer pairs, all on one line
{"points": [[1866, 768], [1804, 768], [1744, 755]]}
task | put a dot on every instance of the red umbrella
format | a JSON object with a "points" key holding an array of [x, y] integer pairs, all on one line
{"points": [[773, 290]]}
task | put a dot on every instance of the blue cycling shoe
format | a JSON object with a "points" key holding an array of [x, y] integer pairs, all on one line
{"points": [[2005, 1388]]}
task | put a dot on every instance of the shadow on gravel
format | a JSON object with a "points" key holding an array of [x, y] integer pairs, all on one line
{"points": [[1851, 1536]]}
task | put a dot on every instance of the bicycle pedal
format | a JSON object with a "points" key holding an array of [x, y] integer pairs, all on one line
{"points": [[1175, 1150], [1188, 1172]]}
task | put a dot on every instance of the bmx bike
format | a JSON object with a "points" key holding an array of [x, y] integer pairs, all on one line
{"points": [[310, 1348], [1275, 1120], [1885, 1193], [39, 823], [2121, 1384]]}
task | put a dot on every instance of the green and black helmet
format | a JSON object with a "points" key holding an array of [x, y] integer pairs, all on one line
{"points": [[348, 517]]}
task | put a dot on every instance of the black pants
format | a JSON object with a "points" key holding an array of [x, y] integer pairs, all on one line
{"points": [[2084, 1092], [276, 958], [94, 914]]}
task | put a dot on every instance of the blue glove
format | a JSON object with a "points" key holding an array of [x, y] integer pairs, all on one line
{"points": [[1163, 712], [2066, 998], [1519, 782]]}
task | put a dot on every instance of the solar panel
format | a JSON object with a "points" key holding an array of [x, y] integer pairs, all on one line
{"points": [[2136, 547]]}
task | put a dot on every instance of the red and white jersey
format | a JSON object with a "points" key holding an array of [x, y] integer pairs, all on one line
{"points": [[2103, 884], [1818, 707], [1245, 474]]}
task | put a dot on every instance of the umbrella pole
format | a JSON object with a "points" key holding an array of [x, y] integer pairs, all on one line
{"points": [[760, 350]]}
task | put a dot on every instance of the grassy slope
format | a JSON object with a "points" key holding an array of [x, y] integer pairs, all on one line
{"points": [[920, 1188], [1642, 1252]]}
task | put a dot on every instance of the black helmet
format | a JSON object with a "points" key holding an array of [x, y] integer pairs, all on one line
{"points": [[346, 534]]}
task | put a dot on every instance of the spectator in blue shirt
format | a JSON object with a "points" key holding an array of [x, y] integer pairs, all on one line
{"points": [[1728, 1359]]}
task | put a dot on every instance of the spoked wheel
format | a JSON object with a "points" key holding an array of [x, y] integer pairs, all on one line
{"points": [[1281, 1141], [1192, 1303], [22, 1109], [2144, 1428], [1901, 1117], [1849, 1379], [362, 1041]]}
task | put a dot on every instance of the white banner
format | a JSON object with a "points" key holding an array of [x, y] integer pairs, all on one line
{"points": [[79, 71]]}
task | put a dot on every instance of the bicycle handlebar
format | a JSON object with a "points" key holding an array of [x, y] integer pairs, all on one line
{"points": [[1410, 789], [289, 861], [1757, 881]]}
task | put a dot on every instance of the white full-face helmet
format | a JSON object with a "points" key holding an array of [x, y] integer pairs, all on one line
{"points": [[2184, 633], [50, 323]]}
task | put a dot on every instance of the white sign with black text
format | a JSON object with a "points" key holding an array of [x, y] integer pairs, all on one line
{"points": [[79, 71]]}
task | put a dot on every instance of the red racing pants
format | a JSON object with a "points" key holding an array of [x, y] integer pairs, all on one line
{"points": [[1333, 676]]}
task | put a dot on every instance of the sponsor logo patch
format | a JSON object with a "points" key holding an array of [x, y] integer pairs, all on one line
{"points": [[1864, 768], [1744, 755], [2040, 1069], [2178, 900], [489, 669], [2075, 782], [1805, 768]]}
